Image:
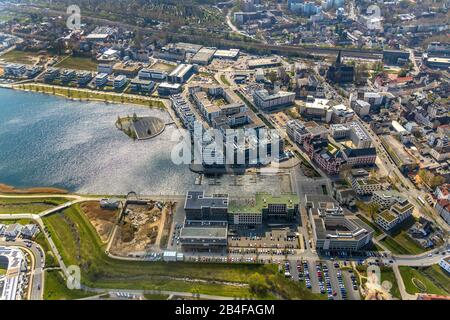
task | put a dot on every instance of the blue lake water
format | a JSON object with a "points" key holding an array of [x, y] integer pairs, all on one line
{"points": [[47, 141]]}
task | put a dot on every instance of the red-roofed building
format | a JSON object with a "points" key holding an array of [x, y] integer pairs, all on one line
{"points": [[443, 209], [443, 192], [429, 297]]}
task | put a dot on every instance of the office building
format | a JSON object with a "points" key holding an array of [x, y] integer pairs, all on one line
{"points": [[335, 229]]}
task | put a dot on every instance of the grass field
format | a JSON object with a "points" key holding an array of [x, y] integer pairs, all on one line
{"points": [[79, 244], [17, 56], [401, 243], [161, 66], [2, 271], [55, 288], [156, 296], [24, 205], [74, 93], [223, 78], [433, 279], [377, 230], [78, 63]]}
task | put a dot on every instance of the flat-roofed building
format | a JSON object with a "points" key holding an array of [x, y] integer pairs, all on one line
{"points": [[166, 89], [204, 238], [266, 101], [365, 185], [399, 212], [138, 85], [445, 264], [264, 63], [298, 131], [101, 79], [181, 73], [335, 229], [152, 74], [203, 56], [119, 82], [128, 69], [263, 207], [105, 68], [385, 199], [231, 54], [14, 69], [208, 208], [403, 159], [13, 260]]}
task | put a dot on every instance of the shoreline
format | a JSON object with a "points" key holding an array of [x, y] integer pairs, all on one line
{"points": [[7, 189], [162, 102]]}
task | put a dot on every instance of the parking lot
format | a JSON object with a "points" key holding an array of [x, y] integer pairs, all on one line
{"points": [[326, 278], [265, 238]]}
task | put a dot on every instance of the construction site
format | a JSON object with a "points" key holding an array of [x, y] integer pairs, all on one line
{"points": [[143, 227]]}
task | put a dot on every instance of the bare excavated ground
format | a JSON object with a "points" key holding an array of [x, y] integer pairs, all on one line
{"points": [[141, 228], [103, 220]]}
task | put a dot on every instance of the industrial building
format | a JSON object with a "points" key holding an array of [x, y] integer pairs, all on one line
{"points": [[204, 56], [181, 73]]}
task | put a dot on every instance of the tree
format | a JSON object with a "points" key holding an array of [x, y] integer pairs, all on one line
{"points": [[258, 284]]}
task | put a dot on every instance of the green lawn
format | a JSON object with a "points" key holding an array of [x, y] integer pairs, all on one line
{"points": [[55, 288], [78, 63], [401, 243], [434, 279], [2, 271], [79, 244], [28, 205], [74, 93], [156, 296], [16, 56], [224, 79]]}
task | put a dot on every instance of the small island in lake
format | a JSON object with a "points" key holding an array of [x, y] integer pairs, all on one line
{"points": [[140, 128]]}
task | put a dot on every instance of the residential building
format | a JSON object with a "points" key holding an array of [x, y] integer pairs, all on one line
{"points": [[51, 74], [385, 199], [365, 186], [84, 77], [167, 89], [105, 68], [152, 74], [119, 82], [101, 79], [443, 191], [442, 207], [14, 70], [183, 111], [399, 212], [445, 264], [145, 86], [266, 101]]}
